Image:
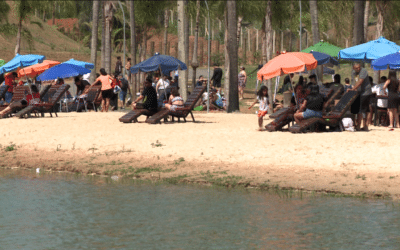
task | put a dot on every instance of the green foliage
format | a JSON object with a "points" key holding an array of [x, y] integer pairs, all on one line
{"points": [[10, 147], [218, 58]]}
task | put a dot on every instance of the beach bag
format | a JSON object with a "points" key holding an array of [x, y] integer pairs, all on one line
{"points": [[117, 89], [348, 124]]}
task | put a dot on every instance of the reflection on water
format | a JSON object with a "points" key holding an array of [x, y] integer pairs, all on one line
{"points": [[52, 211]]}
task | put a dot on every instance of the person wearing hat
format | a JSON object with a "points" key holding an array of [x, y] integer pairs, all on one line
{"points": [[242, 80], [312, 105]]}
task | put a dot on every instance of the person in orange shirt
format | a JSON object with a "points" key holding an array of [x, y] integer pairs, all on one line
{"points": [[10, 81], [106, 89]]}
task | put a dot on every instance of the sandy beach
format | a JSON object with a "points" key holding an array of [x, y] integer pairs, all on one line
{"points": [[218, 145]]}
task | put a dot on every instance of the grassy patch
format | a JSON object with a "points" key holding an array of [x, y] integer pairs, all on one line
{"points": [[176, 179], [361, 177], [181, 159], [157, 144], [10, 147]]}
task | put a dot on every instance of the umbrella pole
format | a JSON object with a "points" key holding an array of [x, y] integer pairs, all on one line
{"points": [[30, 91], [257, 85], [276, 87], [162, 75]]}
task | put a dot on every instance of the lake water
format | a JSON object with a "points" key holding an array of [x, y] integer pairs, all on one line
{"points": [[57, 211]]}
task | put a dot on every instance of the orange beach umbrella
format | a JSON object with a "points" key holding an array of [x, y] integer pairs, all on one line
{"points": [[290, 62], [37, 69]]}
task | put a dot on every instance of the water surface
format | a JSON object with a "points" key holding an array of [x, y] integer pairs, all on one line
{"points": [[54, 211]]}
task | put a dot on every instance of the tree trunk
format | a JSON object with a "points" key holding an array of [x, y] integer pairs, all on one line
{"points": [[44, 15], [273, 43], [182, 33], [144, 47], [358, 31], [103, 37], [108, 14], [95, 32], [133, 47], [315, 32], [381, 7], [226, 66], [366, 17], [53, 14], [195, 62], [18, 46], [268, 45], [244, 51], [166, 21], [239, 28], [281, 40], [233, 98]]}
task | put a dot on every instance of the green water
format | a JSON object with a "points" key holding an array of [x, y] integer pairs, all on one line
{"points": [[54, 211]]}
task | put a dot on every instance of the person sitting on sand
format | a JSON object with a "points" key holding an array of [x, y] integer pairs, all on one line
{"points": [[28, 100], [262, 98], [149, 97], [312, 105], [175, 100]]}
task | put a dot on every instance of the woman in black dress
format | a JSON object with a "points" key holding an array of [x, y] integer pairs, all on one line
{"points": [[392, 85]]}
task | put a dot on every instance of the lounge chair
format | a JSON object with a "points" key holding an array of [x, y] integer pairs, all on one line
{"points": [[180, 112], [45, 107], [332, 118], [18, 94], [3, 91], [285, 115], [92, 97]]}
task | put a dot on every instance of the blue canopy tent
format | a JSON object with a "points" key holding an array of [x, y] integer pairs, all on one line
{"points": [[63, 70], [391, 61], [369, 51], [86, 65], [159, 62], [20, 61]]}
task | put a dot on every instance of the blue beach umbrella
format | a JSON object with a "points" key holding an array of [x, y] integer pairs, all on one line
{"points": [[80, 63], [20, 61], [156, 62], [323, 59], [369, 51], [391, 61], [63, 70]]}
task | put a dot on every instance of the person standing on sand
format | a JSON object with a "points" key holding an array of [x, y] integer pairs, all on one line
{"points": [[262, 98], [128, 66], [107, 90], [361, 105], [242, 80], [118, 66], [392, 85]]}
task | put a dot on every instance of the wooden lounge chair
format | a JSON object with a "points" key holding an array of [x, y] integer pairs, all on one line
{"points": [[45, 107], [285, 115], [332, 118], [92, 96], [3, 91], [180, 112], [19, 94]]}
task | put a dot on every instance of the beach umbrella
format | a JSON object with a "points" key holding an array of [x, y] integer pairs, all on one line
{"points": [[63, 70], [324, 59], [80, 63], [20, 61], [159, 62], [324, 47], [291, 62], [2, 62], [391, 61], [37, 69], [369, 51]]}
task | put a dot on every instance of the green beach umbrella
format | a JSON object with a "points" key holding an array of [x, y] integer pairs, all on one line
{"points": [[2, 62], [324, 47]]}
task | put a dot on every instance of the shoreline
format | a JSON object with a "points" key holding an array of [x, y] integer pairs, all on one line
{"points": [[219, 148]]}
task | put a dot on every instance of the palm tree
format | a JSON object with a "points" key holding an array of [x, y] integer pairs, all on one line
{"points": [[195, 63], [366, 17], [133, 42], [103, 36], [233, 98], [93, 49], [315, 31], [166, 22], [23, 8], [268, 45], [109, 9], [182, 33], [358, 31]]}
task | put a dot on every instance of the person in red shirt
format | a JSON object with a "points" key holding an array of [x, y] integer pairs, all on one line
{"points": [[9, 80]]}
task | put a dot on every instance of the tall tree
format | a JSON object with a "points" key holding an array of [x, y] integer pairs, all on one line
{"points": [[233, 98], [268, 45], [23, 8], [103, 36], [381, 7], [315, 31], [366, 18], [358, 28], [195, 63], [166, 24], [109, 9], [182, 19], [93, 48], [133, 43]]}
